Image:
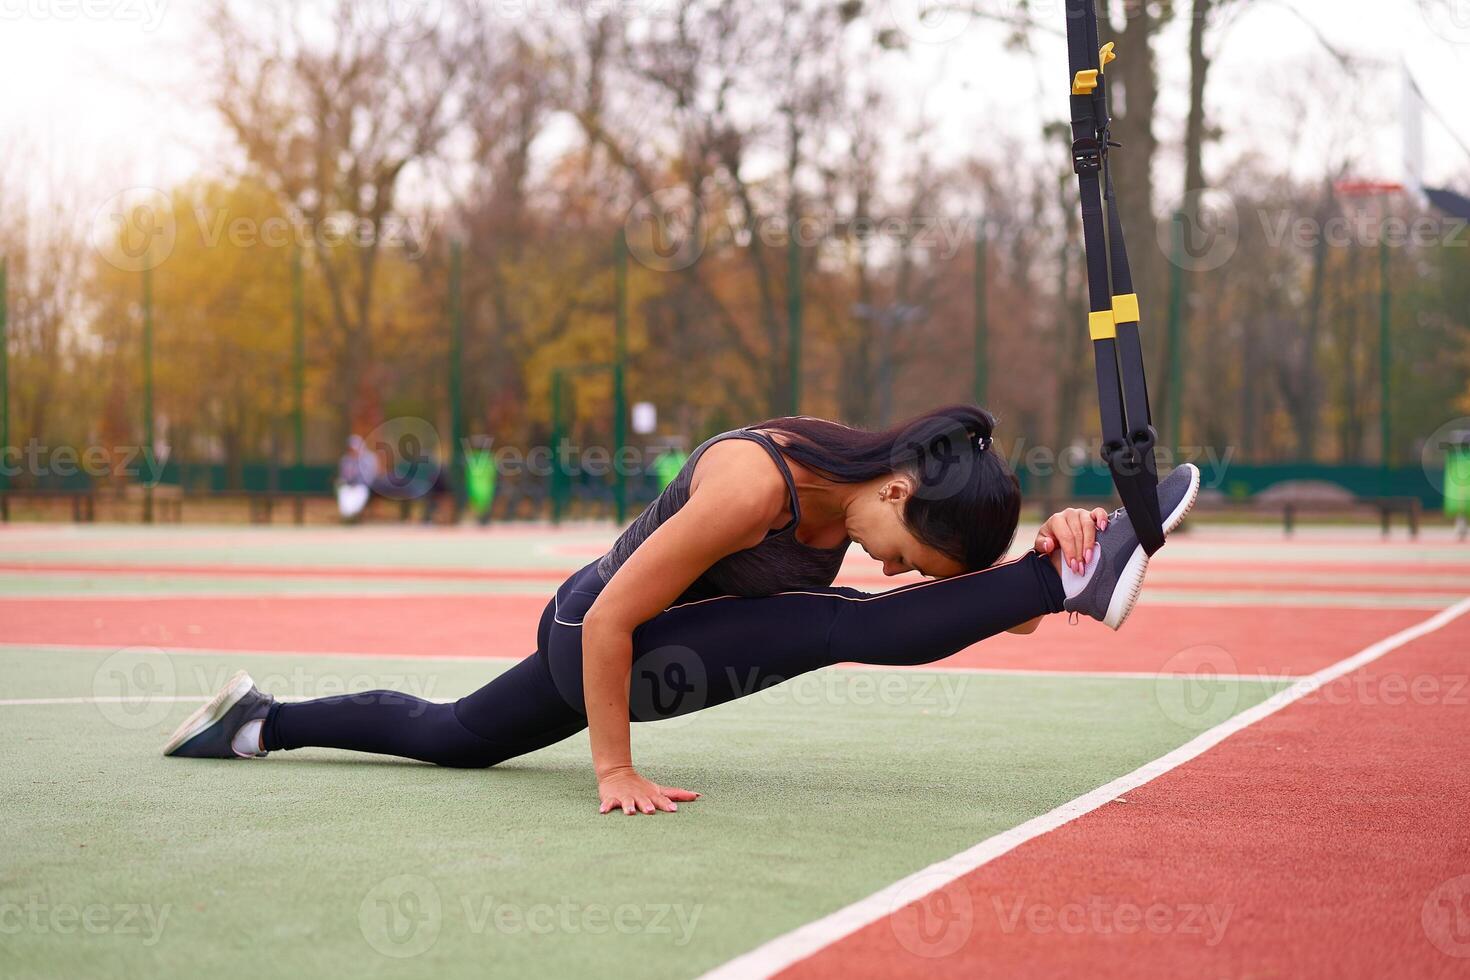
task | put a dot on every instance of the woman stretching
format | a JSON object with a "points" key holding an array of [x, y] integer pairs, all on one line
{"points": [[723, 587]]}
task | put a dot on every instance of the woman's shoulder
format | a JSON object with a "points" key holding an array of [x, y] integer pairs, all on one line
{"points": [[742, 470]]}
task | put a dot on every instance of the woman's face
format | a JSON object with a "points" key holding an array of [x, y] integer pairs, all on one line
{"points": [[875, 523]]}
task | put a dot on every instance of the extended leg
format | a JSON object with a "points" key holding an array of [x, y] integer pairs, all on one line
{"points": [[690, 657], [706, 653], [516, 713]]}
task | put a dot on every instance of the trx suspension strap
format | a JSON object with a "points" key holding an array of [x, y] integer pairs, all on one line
{"points": [[1128, 436]]}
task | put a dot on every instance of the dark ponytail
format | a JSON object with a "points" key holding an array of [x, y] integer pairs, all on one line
{"points": [[967, 502]]}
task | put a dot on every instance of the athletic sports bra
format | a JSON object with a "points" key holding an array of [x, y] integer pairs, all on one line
{"points": [[780, 563]]}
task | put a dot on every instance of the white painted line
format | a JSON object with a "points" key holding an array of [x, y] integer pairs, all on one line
{"points": [[783, 951], [6, 647], [145, 699], [1104, 675], [30, 702], [1100, 675]]}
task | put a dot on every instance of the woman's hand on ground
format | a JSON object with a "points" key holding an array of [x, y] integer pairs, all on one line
{"points": [[624, 789], [1073, 530]]}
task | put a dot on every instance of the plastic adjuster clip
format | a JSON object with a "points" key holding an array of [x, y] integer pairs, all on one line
{"points": [[1087, 154]]}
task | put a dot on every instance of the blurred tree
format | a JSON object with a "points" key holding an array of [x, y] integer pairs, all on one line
{"points": [[222, 301], [332, 102]]}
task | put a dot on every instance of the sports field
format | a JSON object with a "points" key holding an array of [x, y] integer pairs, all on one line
{"points": [[1264, 774]]}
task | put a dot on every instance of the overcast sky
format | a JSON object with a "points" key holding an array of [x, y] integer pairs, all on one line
{"points": [[98, 91]]}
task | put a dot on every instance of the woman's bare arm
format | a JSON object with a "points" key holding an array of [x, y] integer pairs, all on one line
{"points": [[736, 497]]}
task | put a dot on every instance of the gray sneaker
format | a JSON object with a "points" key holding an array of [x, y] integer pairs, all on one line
{"points": [[208, 732], [1121, 562]]}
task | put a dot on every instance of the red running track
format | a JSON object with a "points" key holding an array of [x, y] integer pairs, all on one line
{"points": [[1271, 640], [1327, 840], [1309, 576]]}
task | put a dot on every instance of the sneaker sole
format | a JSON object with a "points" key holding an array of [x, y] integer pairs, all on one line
{"points": [[211, 713], [1187, 504], [1130, 583]]}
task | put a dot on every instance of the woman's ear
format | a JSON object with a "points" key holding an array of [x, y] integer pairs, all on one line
{"points": [[896, 489]]}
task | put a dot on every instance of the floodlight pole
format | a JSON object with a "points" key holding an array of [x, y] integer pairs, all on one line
{"points": [[4, 388], [298, 380], [620, 370], [1385, 351], [148, 446], [555, 483], [1176, 330], [793, 311], [456, 370], [982, 314], [1381, 190]]}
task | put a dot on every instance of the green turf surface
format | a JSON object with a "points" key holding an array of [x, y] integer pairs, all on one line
{"points": [[118, 862], [313, 547], [155, 586]]}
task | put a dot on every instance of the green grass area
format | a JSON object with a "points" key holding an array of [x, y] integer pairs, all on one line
{"points": [[160, 586], [372, 546], [121, 863]]}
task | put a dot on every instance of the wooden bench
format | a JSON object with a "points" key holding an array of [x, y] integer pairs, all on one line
{"points": [[1290, 508], [261, 503], [83, 502], [1409, 507]]}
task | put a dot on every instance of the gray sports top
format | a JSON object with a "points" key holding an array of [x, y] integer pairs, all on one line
{"points": [[780, 563]]}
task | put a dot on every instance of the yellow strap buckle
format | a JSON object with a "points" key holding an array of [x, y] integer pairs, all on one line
{"points": [[1102, 326], [1086, 81], [1125, 308]]}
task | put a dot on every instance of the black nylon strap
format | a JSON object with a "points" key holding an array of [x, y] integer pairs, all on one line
{"points": [[1128, 434]]}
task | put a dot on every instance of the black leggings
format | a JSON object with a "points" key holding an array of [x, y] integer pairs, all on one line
{"points": [[689, 657]]}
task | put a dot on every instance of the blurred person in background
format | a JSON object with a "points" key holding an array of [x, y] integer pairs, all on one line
{"points": [[356, 474]]}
